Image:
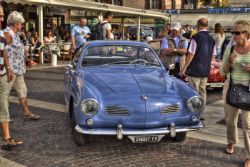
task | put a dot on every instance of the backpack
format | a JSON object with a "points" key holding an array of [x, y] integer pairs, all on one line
{"points": [[97, 31]]}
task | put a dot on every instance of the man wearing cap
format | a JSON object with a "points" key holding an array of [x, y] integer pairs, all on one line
{"points": [[174, 48], [198, 62]]}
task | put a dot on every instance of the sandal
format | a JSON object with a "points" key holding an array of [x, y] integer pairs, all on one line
{"points": [[7, 144], [31, 116], [229, 149]]}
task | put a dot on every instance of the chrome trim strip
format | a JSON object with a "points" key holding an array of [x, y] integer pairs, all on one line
{"points": [[126, 132]]}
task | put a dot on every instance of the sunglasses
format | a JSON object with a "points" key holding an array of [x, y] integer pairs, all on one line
{"points": [[237, 32]]}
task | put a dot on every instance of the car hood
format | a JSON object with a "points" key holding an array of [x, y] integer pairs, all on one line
{"points": [[128, 80]]}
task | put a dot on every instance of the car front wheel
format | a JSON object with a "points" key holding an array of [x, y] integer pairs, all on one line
{"points": [[180, 136], [78, 138]]}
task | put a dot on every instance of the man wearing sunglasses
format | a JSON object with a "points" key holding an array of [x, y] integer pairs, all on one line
{"points": [[198, 61]]}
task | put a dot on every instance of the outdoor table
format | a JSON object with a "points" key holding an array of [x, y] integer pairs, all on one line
{"points": [[55, 51]]}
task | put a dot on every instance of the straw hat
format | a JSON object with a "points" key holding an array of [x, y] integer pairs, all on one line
{"points": [[15, 17]]}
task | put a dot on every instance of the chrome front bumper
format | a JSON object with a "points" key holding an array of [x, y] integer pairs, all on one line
{"points": [[120, 131]]}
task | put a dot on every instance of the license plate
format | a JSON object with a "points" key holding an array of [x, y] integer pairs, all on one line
{"points": [[217, 85], [144, 139]]}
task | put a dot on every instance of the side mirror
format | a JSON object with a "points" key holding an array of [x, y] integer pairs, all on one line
{"points": [[171, 66], [70, 66]]}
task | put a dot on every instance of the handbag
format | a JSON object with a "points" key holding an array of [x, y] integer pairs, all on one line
{"points": [[238, 95]]}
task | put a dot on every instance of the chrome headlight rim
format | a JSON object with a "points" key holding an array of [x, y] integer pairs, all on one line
{"points": [[84, 103], [192, 109]]}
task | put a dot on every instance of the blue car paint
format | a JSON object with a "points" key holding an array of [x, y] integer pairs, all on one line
{"points": [[123, 85]]}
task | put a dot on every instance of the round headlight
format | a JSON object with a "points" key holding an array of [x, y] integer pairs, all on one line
{"points": [[89, 107], [195, 104]]}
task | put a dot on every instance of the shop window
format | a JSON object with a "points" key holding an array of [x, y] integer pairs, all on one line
{"points": [[156, 4], [173, 4], [184, 4], [147, 4], [117, 2]]}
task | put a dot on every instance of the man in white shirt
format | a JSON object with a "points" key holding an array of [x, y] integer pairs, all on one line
{"points": [[107, 29]]}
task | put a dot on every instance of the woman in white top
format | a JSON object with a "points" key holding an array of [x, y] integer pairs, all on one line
{"points": [[219, 37], [49, 38]]}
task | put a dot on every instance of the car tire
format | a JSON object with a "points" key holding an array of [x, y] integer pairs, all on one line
{"points": [[78, 138], [180, 136]]}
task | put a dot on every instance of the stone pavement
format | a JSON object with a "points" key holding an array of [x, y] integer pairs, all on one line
{"points": [[48, 142]]}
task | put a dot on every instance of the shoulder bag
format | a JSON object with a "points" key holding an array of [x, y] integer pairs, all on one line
{"points": [[238, 95]]}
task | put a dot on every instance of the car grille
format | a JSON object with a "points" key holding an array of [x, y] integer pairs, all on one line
{"points": [[116, 110], [170, 109]]}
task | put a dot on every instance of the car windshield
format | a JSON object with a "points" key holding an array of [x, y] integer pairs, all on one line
{"points": [[119, 54]]}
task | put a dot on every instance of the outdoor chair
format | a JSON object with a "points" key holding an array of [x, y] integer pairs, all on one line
{"points": [[66, 51]]}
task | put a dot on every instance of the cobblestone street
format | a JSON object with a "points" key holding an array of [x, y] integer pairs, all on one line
{"points": [[49, 143]]}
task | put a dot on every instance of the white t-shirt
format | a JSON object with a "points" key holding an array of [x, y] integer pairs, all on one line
{"points": [[106, 27], [219, 39]]}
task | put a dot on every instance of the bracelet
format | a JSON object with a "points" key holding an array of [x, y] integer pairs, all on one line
{"points": [[8, 67]]}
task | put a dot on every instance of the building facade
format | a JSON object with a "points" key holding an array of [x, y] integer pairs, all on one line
{"points": [[239, 3], [159, 5]]}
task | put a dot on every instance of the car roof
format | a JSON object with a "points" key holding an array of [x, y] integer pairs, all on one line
{"points": [[113, 42]]}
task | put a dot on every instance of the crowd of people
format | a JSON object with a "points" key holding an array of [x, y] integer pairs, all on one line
{"points": [[193, 60], [190, 50]]}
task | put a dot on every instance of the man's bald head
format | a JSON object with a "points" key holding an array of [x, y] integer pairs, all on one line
{"points": [[83, 22], [202, 23]]}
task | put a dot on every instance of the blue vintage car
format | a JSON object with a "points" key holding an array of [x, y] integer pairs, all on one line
{"points": [[121, 88]]}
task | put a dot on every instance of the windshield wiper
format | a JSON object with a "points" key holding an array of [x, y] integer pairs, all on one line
{"points": [[132, 62], [152, 63], [117, 62]]}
